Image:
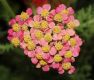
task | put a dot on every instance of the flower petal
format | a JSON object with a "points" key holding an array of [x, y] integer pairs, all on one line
{"points": [[31, 54], [38, 66], [39, 10], [46, 56], [77, 23], [72, 70], [71, 32], [55, 65], [51, 25], [53, 51], [12, 21], [43, 42], [46, 68], [29, 11], [37, 18], [71, 11], [34, 60], [61, 72], [47, 7]]}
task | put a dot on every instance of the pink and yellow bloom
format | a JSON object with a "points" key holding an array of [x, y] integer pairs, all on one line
{"points": [[48, 38]]}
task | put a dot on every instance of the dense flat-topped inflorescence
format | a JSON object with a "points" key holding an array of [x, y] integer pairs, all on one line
{"points": [[48, 37]]}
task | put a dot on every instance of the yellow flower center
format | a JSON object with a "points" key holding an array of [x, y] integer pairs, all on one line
{"points": [[43, 63], [57, 58], [27, 38], [39, 56], [72, 42], [36, 24], [31, 45], [56, 29], [24, 16], [39, 34], [44, 24], [65, 11], [44, 13], [58, 46], [66, 37], [66, 66], [15, 41], [58, 17], [68, 54], [48, 37], [16, 27], [24, 28], [46, 48], [71, 24]]}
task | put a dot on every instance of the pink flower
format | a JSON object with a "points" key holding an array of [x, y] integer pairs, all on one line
{"points": [[55, 37], [9, 37], [51, 25], [10, 31], [46, 56], [34, 60], [38, 49], [38, 66], [50, 60], [67, 60], [12, 21], [71, 18], [44, 7], [63, 32], [62, 52], [78, 40], [55, 65], [76, 51], [71, 11], [52, 12], [45, 37], [71, 32], [72, 70], [77, 23], [43, 42], [66, 46], [18, 18], [65, 18], [26, 52], [51, 15], [53, 51], [46, 68], [36, 18], [29, 11], [23, 45], [32, 32], [61, 71], [31, 54], [20, 35], [60, 7]]}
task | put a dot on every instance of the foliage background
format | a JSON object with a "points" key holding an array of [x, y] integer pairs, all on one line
{"points": [[16, 66]]}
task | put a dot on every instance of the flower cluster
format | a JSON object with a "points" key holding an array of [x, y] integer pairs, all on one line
{"points": [[47, 38]]}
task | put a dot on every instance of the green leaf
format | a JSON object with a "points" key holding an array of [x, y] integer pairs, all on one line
{"points": [[86, 17], [5, 48]]}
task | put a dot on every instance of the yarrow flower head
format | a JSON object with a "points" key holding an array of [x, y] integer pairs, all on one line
{"points": [[48, 38]]}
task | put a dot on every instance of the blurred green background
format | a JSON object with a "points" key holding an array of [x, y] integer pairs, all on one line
{"points": [[14, 65]]}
